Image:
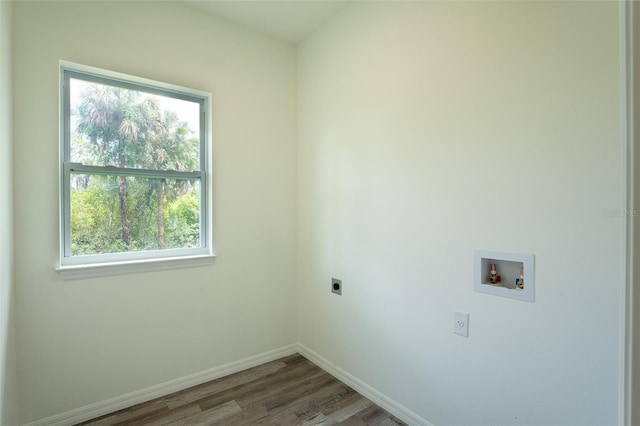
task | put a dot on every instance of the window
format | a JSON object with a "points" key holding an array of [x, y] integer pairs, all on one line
{"points": [[134, 156]]}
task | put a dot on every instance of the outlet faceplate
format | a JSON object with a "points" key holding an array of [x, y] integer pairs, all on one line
{"points": [[461, 323], [336, 286]]}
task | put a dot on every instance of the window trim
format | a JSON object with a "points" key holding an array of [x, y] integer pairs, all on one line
{"points": [[139, 261]]}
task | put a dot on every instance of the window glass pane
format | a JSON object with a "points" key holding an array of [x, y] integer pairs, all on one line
{"points": [[115, 214], [114, 126]]}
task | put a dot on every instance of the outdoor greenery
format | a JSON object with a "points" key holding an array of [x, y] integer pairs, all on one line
{"points": [[113, 126]]}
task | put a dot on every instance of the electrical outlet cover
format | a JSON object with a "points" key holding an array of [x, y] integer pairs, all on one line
{"points": [[461, 323]]}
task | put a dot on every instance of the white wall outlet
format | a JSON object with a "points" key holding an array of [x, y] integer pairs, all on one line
{"points": [[461, 323]]}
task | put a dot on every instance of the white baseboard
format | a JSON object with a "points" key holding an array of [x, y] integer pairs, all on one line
{"points": [[98, 409], [127, 400], [364, 389]]}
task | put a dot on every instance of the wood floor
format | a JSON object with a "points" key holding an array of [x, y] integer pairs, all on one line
{"points": [[288, 391]]}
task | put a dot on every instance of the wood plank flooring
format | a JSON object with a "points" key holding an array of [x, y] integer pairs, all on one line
{"points": [[288, 391]]}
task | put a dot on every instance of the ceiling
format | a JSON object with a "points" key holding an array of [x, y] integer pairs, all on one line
{"points": [[287, 20]]}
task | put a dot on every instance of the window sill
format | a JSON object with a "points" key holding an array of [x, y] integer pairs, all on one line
{"points": [[74, 272]]}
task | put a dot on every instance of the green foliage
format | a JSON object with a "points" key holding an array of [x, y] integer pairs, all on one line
{"points": [[113, 214], [96, 218], [183, 220]]}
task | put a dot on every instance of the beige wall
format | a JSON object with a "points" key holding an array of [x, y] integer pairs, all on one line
{"points": [[85, 341], [428, 130], [8, 383]]}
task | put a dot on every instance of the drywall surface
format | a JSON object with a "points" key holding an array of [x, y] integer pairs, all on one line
{"points": [[8, 384], [428, 130], [634, 8], [85, 341]]}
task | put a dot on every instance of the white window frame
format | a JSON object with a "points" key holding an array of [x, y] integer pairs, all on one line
{"points": [[80, 266]]}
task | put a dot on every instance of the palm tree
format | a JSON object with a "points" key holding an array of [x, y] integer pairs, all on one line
{"points": [[171, 149], [129, 130]]}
